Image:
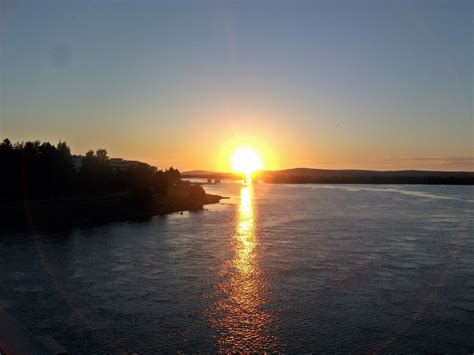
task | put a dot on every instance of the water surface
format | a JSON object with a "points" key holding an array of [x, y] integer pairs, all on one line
{"points": [[335, 268]]}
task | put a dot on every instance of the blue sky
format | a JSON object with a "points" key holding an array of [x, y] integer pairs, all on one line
{"points": [[328, 84]]}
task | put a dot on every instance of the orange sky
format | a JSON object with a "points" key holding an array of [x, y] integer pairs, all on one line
{"points": [[376, 85]]}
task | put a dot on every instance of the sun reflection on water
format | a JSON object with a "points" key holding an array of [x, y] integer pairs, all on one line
{"points": [[241, 316]]}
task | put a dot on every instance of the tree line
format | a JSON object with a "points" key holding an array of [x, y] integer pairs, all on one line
{"points": [[41, 170]]}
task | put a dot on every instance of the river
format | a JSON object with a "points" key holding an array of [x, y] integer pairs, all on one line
{"points": [[323, 268]]}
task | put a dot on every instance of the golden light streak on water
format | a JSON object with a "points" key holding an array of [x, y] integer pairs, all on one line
{"points": [[241, 317], [245, 235]]}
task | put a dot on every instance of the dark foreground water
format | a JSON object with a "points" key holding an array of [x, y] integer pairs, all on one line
{"points": [[276, 267]]}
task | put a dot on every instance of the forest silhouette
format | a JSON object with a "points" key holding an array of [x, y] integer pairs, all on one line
{"points": [[40, 183]]}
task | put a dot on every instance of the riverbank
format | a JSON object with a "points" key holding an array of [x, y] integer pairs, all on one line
{"points": [[100, 209]]}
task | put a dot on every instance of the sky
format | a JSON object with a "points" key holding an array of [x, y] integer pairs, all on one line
{"points": [[324, 84]]}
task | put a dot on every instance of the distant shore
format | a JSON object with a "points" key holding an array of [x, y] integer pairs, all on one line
{"points": [[323, 176]]}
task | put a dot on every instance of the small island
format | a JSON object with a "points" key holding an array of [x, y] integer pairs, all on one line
{"points": [[43, 185]]}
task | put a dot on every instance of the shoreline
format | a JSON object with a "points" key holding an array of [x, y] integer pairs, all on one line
{"points": [[21, 215]]}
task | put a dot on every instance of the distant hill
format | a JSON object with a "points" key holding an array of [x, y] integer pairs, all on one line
{"points": [[205, 174], [309, 175], [195, 173], [348, 172]]}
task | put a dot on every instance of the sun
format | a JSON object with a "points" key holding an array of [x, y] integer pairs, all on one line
{"points": [[246, 160]]}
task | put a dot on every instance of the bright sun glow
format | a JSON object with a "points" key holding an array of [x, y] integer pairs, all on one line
{"points": [[246, 160]]}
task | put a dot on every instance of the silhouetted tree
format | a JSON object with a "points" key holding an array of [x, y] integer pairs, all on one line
{"points": [[41, 170], [35, 169], [96, 173]]}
